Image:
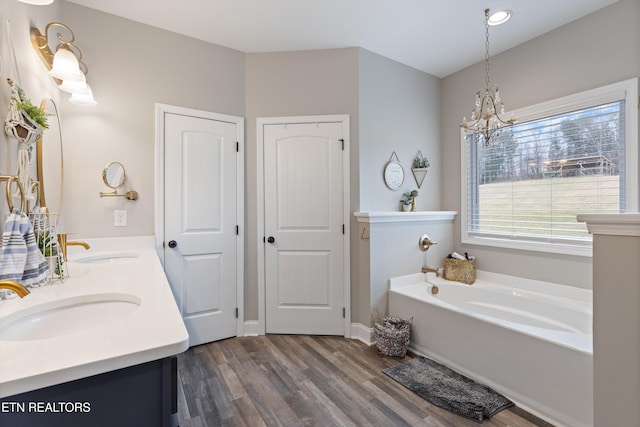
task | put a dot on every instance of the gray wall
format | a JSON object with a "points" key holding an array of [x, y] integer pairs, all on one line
{"points": [[294, 84], [399, 111], [405, 258], [30, 73], [616, 316], [596, 50], [131, 67], [392, 107]]}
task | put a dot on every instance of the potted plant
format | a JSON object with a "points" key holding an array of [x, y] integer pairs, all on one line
{"points": [[409, 201], [46, 242]]}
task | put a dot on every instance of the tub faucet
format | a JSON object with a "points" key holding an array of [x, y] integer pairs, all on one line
{"points": [[426, 269], [62, 241], [16, 287]]}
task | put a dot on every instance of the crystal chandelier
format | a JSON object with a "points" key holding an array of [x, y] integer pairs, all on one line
{"points": [[485, 121]]}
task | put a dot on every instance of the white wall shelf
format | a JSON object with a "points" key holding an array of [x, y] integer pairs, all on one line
{"points": [[421, 216]]}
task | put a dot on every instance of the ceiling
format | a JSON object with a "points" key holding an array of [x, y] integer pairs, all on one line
{"points": [[439, 37]]}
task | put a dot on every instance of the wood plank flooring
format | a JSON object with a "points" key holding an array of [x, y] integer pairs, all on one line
{"points": [[298, 380]]}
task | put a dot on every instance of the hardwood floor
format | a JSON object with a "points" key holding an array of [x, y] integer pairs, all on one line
{"points": [[297, 380]]}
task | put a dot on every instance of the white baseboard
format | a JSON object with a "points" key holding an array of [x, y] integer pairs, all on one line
{"points": [[358, 331], [252, 328], [362, 333]]}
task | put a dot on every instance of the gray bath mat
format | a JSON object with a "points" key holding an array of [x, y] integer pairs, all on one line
{"points": [[448, 389]]}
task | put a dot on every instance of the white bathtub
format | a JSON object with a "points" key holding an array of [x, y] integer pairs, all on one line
{"points": [[532, 341]]}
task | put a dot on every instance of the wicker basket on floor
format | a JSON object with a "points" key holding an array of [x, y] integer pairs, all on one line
{"points": [[392, 335]]}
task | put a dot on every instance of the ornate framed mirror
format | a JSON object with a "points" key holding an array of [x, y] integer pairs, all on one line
{"points": [[50, 163]]}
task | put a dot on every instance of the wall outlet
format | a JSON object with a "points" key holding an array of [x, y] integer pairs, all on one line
{"points": [[120, 218]]}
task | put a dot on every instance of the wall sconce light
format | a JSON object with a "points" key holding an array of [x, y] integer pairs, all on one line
{"points": [[37, 2], [65, 66]]}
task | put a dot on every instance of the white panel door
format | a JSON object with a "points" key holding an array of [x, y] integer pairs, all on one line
{"points": [[201, 223], [304, 226]]}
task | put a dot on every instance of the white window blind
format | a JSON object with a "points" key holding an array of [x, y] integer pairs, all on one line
{"points": [[531, 183]]}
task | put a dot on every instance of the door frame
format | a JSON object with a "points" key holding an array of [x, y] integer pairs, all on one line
{"points": [[161, 110], [261, 122]]}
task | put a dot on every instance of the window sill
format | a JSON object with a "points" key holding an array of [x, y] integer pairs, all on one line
{"points": [[584, 251]]}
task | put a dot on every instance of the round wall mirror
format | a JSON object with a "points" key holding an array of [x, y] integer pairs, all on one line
{"points": [[114, 176], [50, 165]]}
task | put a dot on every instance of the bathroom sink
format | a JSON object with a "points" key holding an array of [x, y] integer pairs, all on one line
{"points": [[109, 258], [67, 316]]}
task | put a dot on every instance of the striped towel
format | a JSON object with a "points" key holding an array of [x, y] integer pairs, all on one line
{"points": [[20, 258]]}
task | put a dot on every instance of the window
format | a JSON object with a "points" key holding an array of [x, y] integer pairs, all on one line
{"points": [[562, 158]]}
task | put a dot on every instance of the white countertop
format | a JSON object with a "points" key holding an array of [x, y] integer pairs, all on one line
{"points": [[152, 331]]}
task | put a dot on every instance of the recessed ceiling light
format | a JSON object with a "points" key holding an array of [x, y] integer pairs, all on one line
{"points": [[499, 17]]}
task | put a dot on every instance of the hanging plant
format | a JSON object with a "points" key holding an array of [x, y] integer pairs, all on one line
{"points": [[35, 113], [420, 162], [419, 168], [25, 121]]}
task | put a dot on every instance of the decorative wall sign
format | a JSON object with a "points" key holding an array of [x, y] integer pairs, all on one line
{"points": [[393, 173]]}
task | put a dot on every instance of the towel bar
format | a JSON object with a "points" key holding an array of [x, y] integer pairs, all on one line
{"points": [[9, 179]]}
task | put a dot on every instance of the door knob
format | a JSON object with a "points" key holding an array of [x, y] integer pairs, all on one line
{"points": [[173, 244], [271, 239]]}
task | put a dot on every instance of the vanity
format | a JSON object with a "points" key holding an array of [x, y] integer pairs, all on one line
{"points": [[97, 345], [96, 349]]}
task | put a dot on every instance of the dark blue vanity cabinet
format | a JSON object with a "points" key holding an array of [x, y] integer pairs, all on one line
{"points": [[137, 396]]}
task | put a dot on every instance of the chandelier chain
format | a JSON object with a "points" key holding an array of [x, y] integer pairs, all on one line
{"points": [[486, 55]]}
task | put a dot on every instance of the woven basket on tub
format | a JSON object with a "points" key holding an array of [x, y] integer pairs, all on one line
{"points": [[392, 335], [460, 270]]}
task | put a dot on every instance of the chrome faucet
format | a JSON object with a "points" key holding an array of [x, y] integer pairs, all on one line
{"points": [[62, 241], [16, 287]]}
